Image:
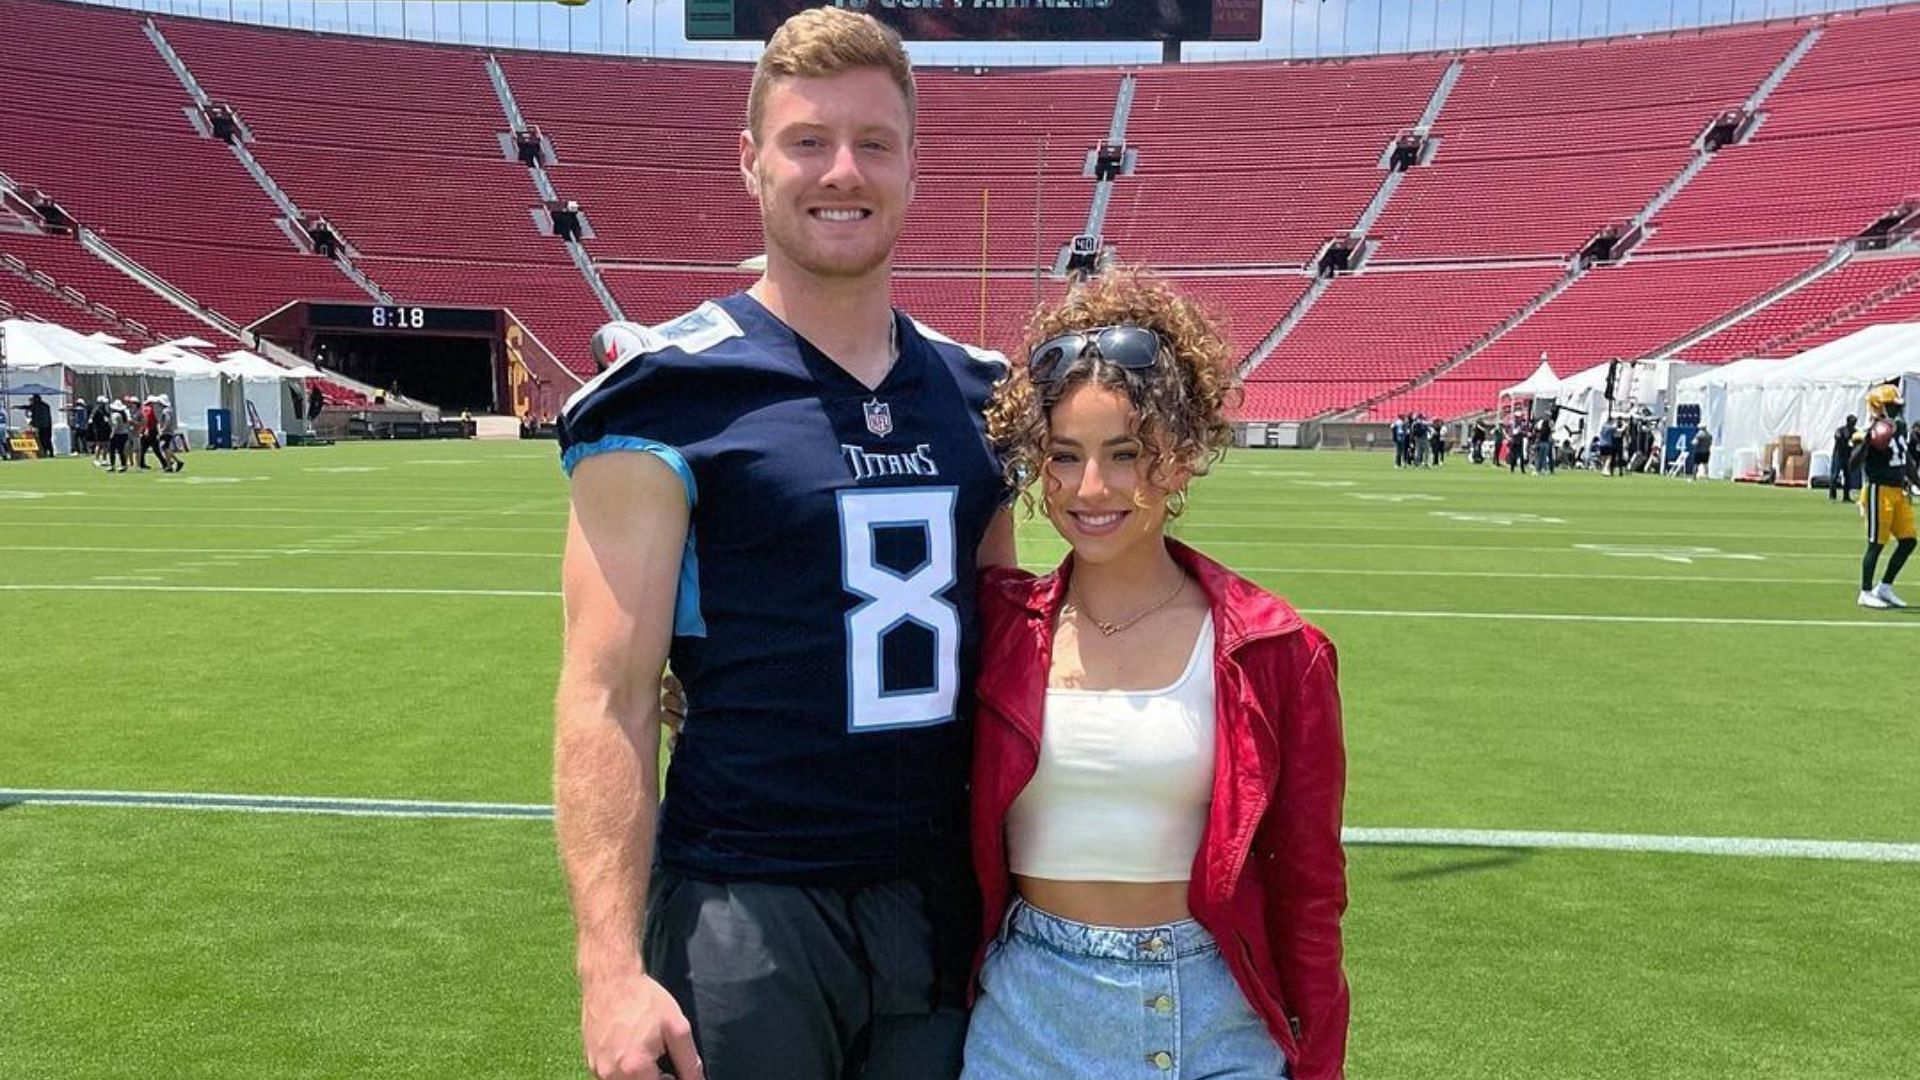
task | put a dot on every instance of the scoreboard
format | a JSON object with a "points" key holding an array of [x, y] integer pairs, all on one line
{"points": [[997, 20], [401, 318]]}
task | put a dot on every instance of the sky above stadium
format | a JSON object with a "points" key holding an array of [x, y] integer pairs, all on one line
{"points": [[1291, 28]]}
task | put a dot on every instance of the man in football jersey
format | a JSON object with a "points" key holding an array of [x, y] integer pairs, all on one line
{"points": [[785, 493], [1882, 454]]}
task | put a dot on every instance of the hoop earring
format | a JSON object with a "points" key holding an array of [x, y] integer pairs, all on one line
{"points": [[1177, 503]]}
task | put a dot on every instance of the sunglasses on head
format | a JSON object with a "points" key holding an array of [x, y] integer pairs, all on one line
{"points": [[1125, 346]]}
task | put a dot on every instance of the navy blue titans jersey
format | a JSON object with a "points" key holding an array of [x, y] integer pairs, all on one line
{"points": [[824, 625]]}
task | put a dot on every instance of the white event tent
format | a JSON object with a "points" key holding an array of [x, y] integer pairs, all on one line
{"points": [[196, 389], [1543, 383], [81, 365], [1648, 384], [1749, 403], [258, 381]]}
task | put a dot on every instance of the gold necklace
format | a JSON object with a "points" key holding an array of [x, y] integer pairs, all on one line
{"points": [[1108, 629]]}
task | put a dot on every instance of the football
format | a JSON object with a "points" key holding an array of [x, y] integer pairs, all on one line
{"points": [[573, 3], [1880, 435]]}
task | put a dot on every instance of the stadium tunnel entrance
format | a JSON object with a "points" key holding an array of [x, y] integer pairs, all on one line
{"points": [[480, 360], [455, 373]]}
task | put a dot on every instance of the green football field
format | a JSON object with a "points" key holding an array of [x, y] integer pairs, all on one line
{"points": [[1615, 668]]}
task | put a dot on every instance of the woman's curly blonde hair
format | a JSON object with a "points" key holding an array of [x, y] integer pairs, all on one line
{"points": [[1181, 401]]}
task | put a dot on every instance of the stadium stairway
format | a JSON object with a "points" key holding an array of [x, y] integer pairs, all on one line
{"points": [[1895, 302], [293, 224], [1383, 195], [543, 185], [1703, 155], [1378, 403], [1839, 258]]}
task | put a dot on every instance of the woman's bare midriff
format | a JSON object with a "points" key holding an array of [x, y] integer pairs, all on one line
{"points": [[1107, 903]]}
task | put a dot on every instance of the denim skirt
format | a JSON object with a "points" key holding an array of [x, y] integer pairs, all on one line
{"points": [[1064, 1000]]}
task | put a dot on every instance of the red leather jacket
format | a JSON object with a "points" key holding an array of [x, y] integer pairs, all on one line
{"points": [[1269, 881]]}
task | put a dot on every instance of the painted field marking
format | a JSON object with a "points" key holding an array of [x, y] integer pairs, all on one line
{"points": [[1666, 554], [228, 526], [250, 508], [1496, 517], [290, 590], [1741, 846], [1642, 620], [270, 804], [1890, 622], [1503, 548], [1324, 571], [1472, 526], [1539, 575]]}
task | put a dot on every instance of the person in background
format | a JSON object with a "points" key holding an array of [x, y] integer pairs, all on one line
{"points": [[149, 430], [40, 420], [1702, 453], [1843, 478], [171, 443], [77, 415], [120, 429], [100, 430], [1886, 501]]}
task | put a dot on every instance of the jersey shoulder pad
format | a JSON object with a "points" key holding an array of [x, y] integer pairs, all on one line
{"points": [[630, 348], [699, 330]]}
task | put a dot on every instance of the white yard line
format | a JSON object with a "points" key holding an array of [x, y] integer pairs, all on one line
{"points": [[1886, 622], [1738, 846]]}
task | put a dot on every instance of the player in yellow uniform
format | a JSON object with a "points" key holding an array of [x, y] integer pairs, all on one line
{"points": [[1883, 452]]}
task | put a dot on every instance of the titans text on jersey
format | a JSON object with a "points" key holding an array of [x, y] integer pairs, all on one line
{"points": [[824, 627]]}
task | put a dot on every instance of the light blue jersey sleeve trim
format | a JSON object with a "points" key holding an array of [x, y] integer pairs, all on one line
{"points": [[633, 444], [687, 620]]}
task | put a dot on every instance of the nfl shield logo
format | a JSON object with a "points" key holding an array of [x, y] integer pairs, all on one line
{"points": [[879, 418]]}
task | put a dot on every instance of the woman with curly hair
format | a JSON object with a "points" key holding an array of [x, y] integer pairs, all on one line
{"points": [[1158, 770]]}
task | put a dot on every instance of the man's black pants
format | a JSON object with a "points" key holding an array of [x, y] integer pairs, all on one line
{"points": [[816, 982]]}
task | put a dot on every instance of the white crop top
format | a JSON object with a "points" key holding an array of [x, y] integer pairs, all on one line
{"points": [[1124, 781]]}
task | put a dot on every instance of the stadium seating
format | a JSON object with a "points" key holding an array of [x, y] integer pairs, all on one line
{"points": [[1835, 150], [1246, 170], [1539, 148], [138, 312], [1786, 325], [1618, 311], [1389, 327], [337, 396], [31, 292], [654, 296], [1299, 145], [197, 217], [396, 144]]}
